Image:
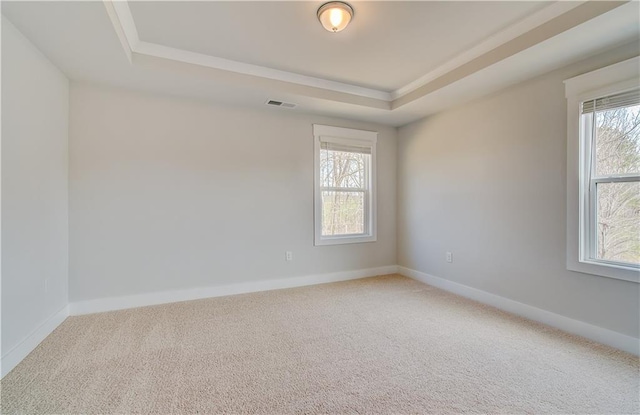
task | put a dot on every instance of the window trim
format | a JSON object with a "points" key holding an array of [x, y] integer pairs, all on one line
{"points": [[602, 82], [351, 137]]}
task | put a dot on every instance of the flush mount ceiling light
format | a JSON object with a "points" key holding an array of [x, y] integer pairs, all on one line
{"points": [[335, 15]]}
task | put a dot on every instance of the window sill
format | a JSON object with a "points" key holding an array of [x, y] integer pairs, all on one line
{"points": [[340, 240], [617, 272]]}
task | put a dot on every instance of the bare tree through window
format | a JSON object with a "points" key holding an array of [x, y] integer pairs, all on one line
{"points": [[617, 154], [343, 187]]}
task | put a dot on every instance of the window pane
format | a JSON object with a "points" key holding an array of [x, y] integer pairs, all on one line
{"points": [[342, 213], [618, 231], [342, 169], [618, 141]]}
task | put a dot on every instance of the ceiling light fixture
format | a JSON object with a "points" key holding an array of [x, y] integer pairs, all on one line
{"points": [[335, 15]]}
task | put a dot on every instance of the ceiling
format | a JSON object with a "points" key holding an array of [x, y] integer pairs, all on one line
{"points": [[395, 63], [286, 35]]}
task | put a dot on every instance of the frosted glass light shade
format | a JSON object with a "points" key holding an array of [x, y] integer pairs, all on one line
{"points": [[335, 15]]}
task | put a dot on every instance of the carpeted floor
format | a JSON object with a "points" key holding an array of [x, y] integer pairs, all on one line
{"points": [[379, 345]]}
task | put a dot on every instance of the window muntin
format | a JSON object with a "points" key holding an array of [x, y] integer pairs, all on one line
{"points": [[610, 127], [345, 185]]}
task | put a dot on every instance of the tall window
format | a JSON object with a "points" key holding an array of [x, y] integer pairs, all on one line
{"points": [[344, 185], [610, 128], [603, 171]]}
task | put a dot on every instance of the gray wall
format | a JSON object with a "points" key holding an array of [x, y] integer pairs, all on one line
{"points": [[487, 182], [35, 255], [167, 193]]}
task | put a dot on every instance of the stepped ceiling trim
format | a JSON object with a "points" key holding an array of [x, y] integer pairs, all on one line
{"points": [[542, 25]]}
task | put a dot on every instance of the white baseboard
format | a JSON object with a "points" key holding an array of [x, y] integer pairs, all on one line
{"points": [[14, 356], [601, 335], [163, 297], [598, 334]]}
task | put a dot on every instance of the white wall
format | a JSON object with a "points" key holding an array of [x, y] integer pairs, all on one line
{"points": [[167, 193], [35, 104], [487, 181]]}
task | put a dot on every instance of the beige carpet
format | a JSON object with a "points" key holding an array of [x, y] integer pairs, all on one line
{"points": [[379, 345]]}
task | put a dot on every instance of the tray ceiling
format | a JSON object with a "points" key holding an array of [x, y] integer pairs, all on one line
{"points": [[429, 56], [288, 37]]}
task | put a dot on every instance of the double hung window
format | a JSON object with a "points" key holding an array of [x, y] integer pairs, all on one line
{"points": [[603, 172], [610, 128], [344, 185]]}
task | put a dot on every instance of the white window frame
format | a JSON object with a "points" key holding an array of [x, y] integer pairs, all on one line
{"points": [[348, 136], [610, 80]]}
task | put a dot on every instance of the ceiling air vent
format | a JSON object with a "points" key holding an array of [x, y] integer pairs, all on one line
{"points": [[275, 103]]}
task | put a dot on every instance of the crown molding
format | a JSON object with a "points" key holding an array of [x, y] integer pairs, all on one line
{"points": [[542, 25], [511, 32], [166, 52], [124, 23], [118, 26], [125, 19], [251, 81], [584, 12]]}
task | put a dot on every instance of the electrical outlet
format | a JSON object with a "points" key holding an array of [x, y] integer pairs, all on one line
{"points": [[288, 256], [449, 256]]}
